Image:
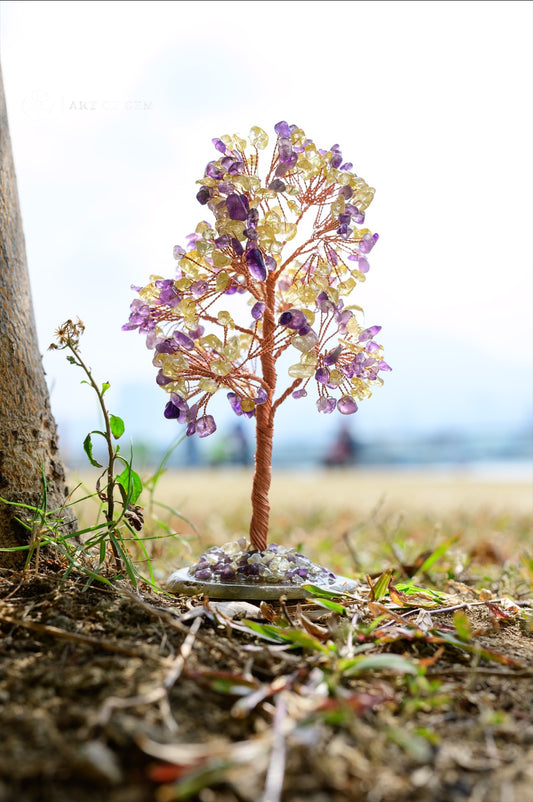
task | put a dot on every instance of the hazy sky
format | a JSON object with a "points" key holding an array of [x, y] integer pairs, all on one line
{"points": [[112, 108]]}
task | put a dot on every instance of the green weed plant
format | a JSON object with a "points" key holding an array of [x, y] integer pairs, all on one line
{"points": [[118, 542]]}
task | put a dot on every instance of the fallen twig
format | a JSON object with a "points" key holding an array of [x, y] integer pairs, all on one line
{"points": [[486, 672], [452, 609], [276, 766]]}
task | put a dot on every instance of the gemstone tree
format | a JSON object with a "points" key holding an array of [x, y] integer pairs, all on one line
{"points": [[295, 246]]}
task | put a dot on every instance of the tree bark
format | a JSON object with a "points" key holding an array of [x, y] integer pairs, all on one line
{"points": [[28, 434]]}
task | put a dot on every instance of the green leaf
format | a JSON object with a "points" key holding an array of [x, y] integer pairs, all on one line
{"points": [[305, 641], [381, 586], [462, 625], [117, 426], [327, 604], [266, 631], [105, 386], [378, 662], [212, 772], [322, 593], [132, 484], [88, 448], [415, 745], [286, 635], [439, 552], [412, 590]]}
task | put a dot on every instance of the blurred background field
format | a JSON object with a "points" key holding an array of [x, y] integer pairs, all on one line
{"points": [[355, 520]]}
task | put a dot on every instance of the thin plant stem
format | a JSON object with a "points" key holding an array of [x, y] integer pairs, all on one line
{"points": [[109, 500]]}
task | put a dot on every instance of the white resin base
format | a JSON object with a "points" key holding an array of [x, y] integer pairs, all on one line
{"points": [[182, 582]]}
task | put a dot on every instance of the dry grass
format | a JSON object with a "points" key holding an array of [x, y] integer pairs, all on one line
{"points": [[352, 520]]}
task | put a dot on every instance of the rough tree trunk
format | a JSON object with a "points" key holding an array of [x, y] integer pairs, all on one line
{"points": [[28, 436]]}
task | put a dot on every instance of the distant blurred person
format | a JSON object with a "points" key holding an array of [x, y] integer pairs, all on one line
{"points": [[343, 451], [232, 449], [239, 450]]}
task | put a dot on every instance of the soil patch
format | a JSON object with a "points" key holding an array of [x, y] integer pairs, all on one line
{"points": [[119, 697]]}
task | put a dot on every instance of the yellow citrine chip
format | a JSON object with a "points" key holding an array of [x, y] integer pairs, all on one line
{"points": [[300, 371], [257, 137], [239, 142], [208, 385], [222, 279], [225, 319], [220, 367], [220, 259]]}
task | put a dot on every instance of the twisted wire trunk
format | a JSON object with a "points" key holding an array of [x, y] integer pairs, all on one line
{"points": [[264, 429]]}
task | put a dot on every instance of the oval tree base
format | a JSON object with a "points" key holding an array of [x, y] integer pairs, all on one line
{"points": [[182, 582]]}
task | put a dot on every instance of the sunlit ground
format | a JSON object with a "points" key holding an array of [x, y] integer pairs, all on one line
{"points": [[351, 520]]}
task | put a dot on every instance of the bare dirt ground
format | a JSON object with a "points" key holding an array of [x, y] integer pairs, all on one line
{"points": [[393, 694]]}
